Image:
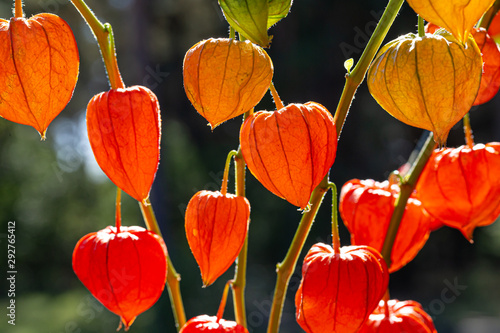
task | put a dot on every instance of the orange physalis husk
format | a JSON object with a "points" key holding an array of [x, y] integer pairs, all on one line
{"points": [[124, 269], [366, 208], [216, 228], [395, 316], [490, 80], [338, 291], [224, 78], [290, 150], [461, 186], [124, 129], [38, 69], [206, 323], [427, 82], [456, 16]]}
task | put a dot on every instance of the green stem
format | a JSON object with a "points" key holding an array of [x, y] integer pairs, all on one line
{"points": [[118, 210], [489, 15], [335, 220], [469, 137], [406, 188], [276, 97], [104, 35], [173, 278], [174, 293], [287, 266], [240, 273], [18, 9], [395, 178], [115, 78], [223, 301], [231, 154], [421, 26], [357, 75]]}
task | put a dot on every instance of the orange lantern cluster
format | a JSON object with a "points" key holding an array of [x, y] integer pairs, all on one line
{"points": [[216, 228], [125, 268], [461, 186], [290, 150], [339, 289], [366, 208]]}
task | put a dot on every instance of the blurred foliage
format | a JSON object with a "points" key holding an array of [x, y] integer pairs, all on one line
{"points": [[56, 193]]}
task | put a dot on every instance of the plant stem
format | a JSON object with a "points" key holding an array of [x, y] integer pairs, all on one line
{"points": [[335, 220], [231, 154], [240, 273], [469, 137], [353, 80], [276, 97], [173, 278], [421, 26], [104, 36], [115, 78], [118, 210], [386, 299], [287, 266], [223, 301], [357, 75], [18, 9], [407, 186]]}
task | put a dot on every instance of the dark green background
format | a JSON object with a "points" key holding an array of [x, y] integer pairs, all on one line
{"points": [[56, 193]]}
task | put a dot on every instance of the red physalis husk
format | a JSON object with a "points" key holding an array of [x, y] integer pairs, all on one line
{"points": [[366, 207], [490, 80], [338, 291], [290, 150], [494, 29], [394, 316], [212, 324], [461, 186], [124, 269], [39, 65], [124, 129], [216, 227]]}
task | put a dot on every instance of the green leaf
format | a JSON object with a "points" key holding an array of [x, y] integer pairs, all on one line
{"points": [[348, 64], [278, 9], [249, 18]]}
